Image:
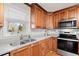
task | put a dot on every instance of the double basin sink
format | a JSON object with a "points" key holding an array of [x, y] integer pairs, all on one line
{"points": [[21, 42]]}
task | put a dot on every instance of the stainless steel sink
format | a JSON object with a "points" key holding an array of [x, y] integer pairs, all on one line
{"points": [[21, 42], [24, 41], [32, 40], [27, 41]]}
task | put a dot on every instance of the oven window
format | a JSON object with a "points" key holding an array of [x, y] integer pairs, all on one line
{"points": [[72, 47], [69, 46], [61, 44]]}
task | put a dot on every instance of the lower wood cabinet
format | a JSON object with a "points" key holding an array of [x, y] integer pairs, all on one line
{"points": [[35, 49], [25, 51], [53, 44], [50, 44], [44, 47]]}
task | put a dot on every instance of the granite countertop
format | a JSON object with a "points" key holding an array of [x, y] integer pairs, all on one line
{"points": [[5, 48]]}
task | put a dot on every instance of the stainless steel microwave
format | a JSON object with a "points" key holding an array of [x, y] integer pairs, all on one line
{"points": [[68, 23]]}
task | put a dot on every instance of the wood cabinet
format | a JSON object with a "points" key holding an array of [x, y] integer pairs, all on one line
{"points": [[50, 44], [56, 20], [77, 17], [68, 13], [53, 44], [63, 15], [1, 14], [37, 17], [72, 12], [44, 14], [42, 19], [44, 47], [35, 49], [78, 48], [25, 51], [49, 21]]}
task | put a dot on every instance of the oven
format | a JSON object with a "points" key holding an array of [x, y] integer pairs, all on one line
{"points": [[67, 45]]}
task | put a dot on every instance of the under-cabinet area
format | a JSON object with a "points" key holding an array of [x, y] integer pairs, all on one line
{"points": [[39, 29]]}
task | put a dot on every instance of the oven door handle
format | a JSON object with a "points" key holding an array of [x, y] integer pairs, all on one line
{"points": [[67, 39]]}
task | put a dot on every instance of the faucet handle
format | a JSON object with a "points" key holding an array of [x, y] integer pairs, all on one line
{"points": [[29, 36]]}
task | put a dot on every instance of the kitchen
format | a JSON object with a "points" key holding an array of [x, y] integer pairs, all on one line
{"points": [[39, 29]]}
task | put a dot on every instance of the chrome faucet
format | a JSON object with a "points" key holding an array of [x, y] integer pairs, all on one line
{"points": [[29, 36], [21, 37], [46, 32]]}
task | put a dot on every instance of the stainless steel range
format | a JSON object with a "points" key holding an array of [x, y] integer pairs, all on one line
{"points": [[67, 44]]}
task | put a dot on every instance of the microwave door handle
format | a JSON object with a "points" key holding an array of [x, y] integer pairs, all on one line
{"points": [[72, 23]]}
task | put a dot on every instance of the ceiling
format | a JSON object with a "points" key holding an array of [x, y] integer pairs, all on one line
{"points": [[51, 7]]}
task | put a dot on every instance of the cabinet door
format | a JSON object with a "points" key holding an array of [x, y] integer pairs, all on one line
{"points": [[43, 47], [72, 12], [55, 20], [49, 21], [53, 44], [77, 17], [25, 51], [35, 49], [63, 15], [44, 15], [37, 15], [1, 14], [50, 44]]}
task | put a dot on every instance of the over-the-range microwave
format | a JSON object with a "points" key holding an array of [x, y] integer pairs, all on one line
{"points": [[70, 23]]}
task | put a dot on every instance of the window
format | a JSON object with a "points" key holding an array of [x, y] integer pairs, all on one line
{"points": [[16, 27]]}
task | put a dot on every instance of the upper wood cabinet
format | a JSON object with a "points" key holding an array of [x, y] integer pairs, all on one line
{"points": [[49, 21], [1, 14], [63, 15], [35, 49], [77, 17], [37, 17], [42, 19], [44, 14], [25, 51], [56, 20], [72, 12]]}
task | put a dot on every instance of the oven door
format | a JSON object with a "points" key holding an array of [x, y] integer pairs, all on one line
{"points": [[69, 46]]}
